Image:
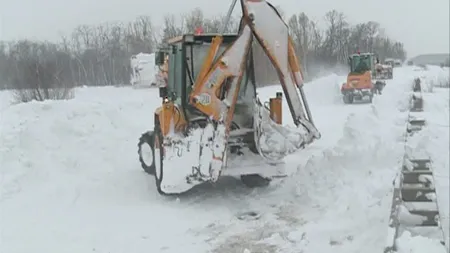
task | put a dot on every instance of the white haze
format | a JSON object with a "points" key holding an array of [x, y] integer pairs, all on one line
{"points": [[422, 26]]}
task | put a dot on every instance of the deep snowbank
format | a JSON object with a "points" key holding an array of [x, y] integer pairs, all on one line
{"points": [[344, 179], [71, 181], [72, 166], [347, 183], [438, 76], [5, 99], [70, 175], [52, 136], [432, 76]]}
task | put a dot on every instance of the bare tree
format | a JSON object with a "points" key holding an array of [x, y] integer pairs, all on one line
{"points": [[170, 28], [41, 71], [100, 54], [193, 20]]}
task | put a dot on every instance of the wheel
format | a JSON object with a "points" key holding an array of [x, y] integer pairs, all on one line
{"points": [[159, 157], [348, 99], [345, 99], [145, 152], [255, 180]]}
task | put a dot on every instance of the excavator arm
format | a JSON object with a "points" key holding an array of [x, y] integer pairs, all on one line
{"points": [[262, 22]]}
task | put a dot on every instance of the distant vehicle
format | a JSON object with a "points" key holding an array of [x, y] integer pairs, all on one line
{"points": [[143, 71], [389, 61], [361, 81], [393, 62]]}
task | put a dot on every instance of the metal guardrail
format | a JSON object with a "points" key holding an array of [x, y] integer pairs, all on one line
{"points": [[414, 205]]}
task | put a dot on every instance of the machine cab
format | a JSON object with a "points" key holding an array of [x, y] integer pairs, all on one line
{"points": [[361, 63], [186, 55]]}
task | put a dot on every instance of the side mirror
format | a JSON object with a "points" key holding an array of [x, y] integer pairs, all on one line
{"points": [[162, 92], [159, 58]]}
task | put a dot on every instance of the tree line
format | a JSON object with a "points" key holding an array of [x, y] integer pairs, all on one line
{"points": [[100, 55]]}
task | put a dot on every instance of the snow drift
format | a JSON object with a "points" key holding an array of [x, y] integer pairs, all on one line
{"points": [[432, 76], [433, 142], [71, 180]]}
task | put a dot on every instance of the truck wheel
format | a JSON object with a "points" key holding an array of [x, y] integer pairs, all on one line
{"points": [[345, 99], [146, 152], [348, 99], [255, 180]]}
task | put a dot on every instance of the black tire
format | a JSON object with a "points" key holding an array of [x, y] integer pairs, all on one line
{"points": [[348, 99], [255, 180], [159, 172], [147, 138], [345, 99]]}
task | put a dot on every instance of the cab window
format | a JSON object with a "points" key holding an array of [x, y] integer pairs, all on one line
{"points": [[174, 87]]}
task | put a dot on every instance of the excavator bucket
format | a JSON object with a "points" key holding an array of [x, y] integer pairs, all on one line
{"points": [[273, 37]]}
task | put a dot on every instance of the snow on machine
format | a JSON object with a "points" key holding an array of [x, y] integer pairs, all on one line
{"points": [[211, 122], [362, 82]]}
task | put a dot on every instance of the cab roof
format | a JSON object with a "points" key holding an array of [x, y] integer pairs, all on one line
{"points": [[205, 37], [362, 54]]}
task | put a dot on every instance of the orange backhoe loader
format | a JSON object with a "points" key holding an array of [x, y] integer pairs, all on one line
{"points": [[361, 82], [211, 121]]}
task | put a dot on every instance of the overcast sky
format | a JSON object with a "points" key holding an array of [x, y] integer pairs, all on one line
{"points": [[423, 26]]}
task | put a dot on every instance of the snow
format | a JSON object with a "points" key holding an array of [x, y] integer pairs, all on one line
{"points": [[433, 142], [71, 180], [410, 244]]}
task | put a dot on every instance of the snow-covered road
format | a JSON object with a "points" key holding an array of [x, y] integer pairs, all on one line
{"points": [[71, 181]]}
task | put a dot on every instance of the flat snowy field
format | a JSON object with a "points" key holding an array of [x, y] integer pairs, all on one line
{"points": [[71, 181]]}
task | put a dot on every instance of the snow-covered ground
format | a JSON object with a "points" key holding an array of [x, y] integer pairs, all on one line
{"points": [[433, 142], [71, 181]]}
